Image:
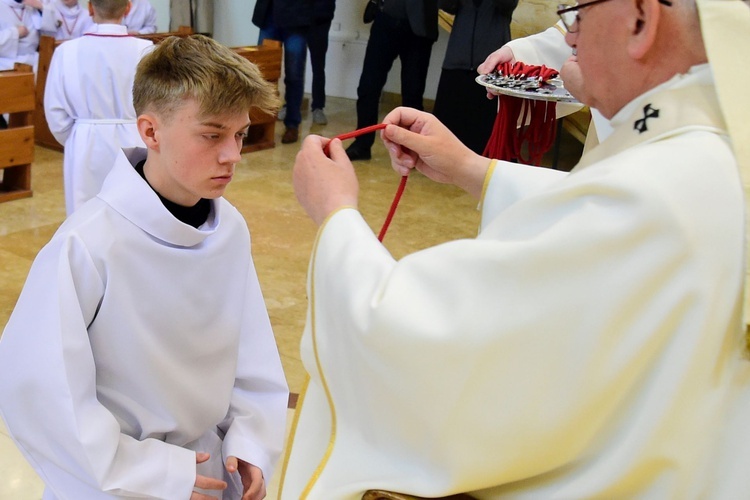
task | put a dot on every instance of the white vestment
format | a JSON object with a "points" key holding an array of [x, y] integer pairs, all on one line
{"points": [[588, 343], [88, 102], [65, 22], [136, 341], [12, 48], [141, 18]]}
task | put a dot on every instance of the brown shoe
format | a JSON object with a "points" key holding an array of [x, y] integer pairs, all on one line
{"points": [[290, 135]]}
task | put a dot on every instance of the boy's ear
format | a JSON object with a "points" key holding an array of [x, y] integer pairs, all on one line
{"points": [[147, 128], [644, 28], [127, 9], [91, 10]]}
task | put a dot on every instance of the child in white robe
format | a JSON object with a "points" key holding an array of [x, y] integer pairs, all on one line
{"points": [[19, 34], [88, 100], [141, 20], [139, 360], [65, 19]]}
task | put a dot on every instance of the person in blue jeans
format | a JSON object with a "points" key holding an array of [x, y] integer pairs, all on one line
{"points": [[317, 43], [289, 22]]}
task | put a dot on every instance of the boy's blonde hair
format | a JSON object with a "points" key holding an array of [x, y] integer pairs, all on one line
{"points": [[109, 9], [197, 67]]}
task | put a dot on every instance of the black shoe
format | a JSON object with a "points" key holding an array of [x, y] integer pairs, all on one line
{"points": [[358, 152]]}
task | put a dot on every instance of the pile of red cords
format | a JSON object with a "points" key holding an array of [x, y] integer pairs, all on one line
{"points": [[509, 135]]}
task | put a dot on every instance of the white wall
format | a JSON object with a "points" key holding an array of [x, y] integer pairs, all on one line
{"points": [[346, 49]]}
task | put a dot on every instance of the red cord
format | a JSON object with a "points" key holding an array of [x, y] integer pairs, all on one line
{"points": [[507, 138], [401, 186]]}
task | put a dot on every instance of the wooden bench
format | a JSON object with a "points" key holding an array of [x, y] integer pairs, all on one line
{"points": [[17, 141], [261, 134]]}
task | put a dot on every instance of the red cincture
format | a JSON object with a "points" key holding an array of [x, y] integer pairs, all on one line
{"points": [[15, 11], [65, 23], [401, 186], [106, 36]]}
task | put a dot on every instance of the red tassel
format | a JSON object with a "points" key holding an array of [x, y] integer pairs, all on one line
{"points": [[537, 125]]}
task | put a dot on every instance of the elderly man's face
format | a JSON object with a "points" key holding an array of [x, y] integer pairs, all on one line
{"points": [[600, 45]]}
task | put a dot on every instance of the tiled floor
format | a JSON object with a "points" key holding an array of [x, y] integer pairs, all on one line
{"points": [[282, 234]]}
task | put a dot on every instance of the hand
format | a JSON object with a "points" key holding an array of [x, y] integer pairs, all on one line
{"points": [[324, 184], [416, 139], [253, 484], [573, 79], [204, 482], [501, 55], [23, 31]]}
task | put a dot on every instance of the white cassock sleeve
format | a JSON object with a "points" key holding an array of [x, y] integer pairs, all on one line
{"points": [[510, 182], [142, 18], [49, 20], [81, 448], [59, 114], [8, 42], [547, 47], [255, 422]]}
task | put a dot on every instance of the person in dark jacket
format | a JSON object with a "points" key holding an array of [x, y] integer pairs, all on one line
{"points": [[405, 29], [289, 22], [479, 27], [317, 43]]}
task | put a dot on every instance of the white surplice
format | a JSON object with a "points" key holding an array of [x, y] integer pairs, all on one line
{"points": [[12, 48], [65, 22], [141, 18], [588, 343], [136, 340], [88, 101]]}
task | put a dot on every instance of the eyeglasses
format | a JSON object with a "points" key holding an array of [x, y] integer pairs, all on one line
{"points": [[569, 14]]}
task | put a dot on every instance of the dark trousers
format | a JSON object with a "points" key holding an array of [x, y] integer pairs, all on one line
{"points": [[295, 60], [317, 43], [462, 105], [391, 38]]}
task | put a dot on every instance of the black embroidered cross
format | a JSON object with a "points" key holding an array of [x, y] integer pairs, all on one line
{"points": [[648, 112]]}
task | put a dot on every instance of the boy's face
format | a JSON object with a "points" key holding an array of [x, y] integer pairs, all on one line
{"points": [[195, 155]]}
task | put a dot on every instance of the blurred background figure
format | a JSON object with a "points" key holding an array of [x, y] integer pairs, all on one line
{"points": [[404, 29], [479, 28], [288, 21], [65, 19], [317, 43], [141, 19]]}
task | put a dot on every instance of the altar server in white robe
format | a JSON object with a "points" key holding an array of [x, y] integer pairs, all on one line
{"points": [[88, 100], [141, 20], [139, 360], [65, 19], [19, 34], [589, 343]]}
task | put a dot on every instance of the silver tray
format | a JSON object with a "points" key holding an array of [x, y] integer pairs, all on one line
{"points": [[551, 90]]}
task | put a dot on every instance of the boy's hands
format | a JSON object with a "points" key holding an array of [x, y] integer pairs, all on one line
{"points": [[253, 484], [204, 482]]}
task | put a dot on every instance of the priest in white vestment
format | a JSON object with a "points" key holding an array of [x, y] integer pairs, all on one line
{"points": [[589, 343]]}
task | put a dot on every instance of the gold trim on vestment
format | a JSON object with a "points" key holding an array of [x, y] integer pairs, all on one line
{"points": [[319, 469]]}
